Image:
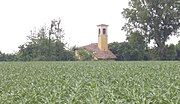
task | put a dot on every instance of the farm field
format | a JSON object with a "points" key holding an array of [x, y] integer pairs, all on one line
{"points": [[106, 82]]}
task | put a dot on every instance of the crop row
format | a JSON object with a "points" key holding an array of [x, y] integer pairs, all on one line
{"points": [[96, 82]]}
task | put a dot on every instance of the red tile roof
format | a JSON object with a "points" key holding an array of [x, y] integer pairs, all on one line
{"points": [[98, 53]]}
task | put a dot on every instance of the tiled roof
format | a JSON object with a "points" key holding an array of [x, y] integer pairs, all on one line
{"points": [[98, 53]]}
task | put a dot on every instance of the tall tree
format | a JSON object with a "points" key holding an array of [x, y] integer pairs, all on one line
{"points": [[58, 33], [155, 19]]}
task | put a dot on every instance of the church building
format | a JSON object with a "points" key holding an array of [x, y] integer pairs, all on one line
{"points": [[99, 50]]}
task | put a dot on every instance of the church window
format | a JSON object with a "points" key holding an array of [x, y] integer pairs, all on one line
{"points": [[99, 31]]}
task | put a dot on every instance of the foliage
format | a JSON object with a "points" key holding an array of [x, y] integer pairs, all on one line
{"points": [[121, 50], [45, 45], [69, 55], [134, 49], [178, 51], [115, 49], [90, 82], [7, 57], [84, 55], [138, 46], [170, 52], [154, 53], [155, 20]]}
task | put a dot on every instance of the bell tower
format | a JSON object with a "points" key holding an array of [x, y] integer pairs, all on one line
{"points": [[102, 37]]}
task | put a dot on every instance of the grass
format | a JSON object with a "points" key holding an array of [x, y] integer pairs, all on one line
{"points": [[96, 82]]}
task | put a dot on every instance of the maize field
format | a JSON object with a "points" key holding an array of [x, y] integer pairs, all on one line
{"points": [[92, 82]]}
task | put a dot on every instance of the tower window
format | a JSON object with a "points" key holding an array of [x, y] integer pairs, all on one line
{"points": [[104, 31], [99, 31]]}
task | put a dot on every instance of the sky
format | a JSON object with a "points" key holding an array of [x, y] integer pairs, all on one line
{"points": [[79, 19]]}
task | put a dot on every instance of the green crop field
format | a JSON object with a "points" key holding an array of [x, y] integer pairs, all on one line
{"points": [[106, 82]]}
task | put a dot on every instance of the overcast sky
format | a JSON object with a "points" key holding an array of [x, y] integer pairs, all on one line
{"points": [[79, 20]]}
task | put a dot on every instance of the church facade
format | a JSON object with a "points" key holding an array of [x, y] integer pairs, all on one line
{"points": [[99, 51]]}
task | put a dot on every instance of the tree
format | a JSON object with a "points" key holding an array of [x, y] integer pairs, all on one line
{"points": [[45, 45], [121, 50], [69, 55], [2, 56], [25, 53], [170, 52], [36, 48], [135, 49], [155, 19], [115, 49], [178, 51], [152, 52], [138, 46], [58, 33], [7, 57]]}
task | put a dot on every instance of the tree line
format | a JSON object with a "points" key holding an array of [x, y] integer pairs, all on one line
{"points": [[136, 49], [147, 21], [46, 44], [154, 20]]}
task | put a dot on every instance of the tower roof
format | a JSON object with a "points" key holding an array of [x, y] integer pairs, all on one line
{"points": [[102, 25]]}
